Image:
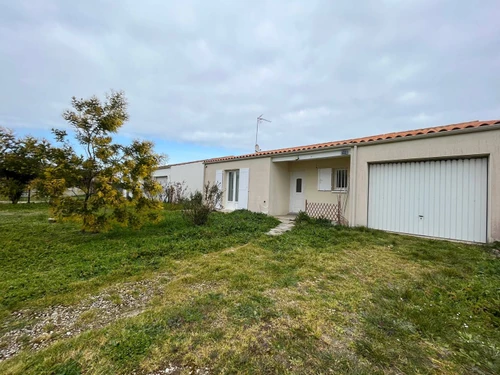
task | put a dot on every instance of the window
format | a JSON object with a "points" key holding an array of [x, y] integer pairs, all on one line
{"points": [[230, 192], [233, 185], [162, 180], [298, 185], [336, 181], [341, 180]]}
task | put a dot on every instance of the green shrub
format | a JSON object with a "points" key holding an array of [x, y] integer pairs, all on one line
{"points": [[195, 211], [302, 217], [173, 206], [322, 221], [198, 207]]}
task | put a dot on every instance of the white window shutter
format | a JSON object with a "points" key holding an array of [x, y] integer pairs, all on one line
{"points": [[325, 179], [218, 181], [243, 189]]}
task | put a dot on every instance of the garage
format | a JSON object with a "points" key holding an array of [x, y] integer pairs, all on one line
{"points": [[435, 198]]}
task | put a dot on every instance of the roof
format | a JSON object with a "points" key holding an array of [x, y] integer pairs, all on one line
{"points": [[374, 138], [177, 164]]}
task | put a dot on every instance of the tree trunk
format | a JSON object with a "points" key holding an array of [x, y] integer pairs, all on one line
{"points": [[15, 197]]}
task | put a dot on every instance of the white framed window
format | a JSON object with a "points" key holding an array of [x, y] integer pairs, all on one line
{"points": [[233, 185], [340, 180]]}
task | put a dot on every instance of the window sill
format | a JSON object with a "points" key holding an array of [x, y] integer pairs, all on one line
{"points": [[339, 191]]}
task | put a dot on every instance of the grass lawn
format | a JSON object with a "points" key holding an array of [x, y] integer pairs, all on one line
{"points": [[226, 298]]}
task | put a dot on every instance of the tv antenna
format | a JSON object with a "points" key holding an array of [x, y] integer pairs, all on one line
{"points": [[259, 120]]}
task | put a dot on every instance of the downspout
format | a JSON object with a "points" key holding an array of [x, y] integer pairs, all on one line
{"points": [[267, 207], [354, 170], [204, 174]]}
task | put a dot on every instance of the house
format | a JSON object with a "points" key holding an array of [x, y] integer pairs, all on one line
{"points": [[190, 174], [438, 182]]}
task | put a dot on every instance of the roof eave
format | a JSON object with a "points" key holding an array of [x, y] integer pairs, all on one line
{"points": [[495, 126]]}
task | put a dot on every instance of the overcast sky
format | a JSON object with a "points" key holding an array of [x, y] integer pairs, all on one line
{"points": [[198, 73]]}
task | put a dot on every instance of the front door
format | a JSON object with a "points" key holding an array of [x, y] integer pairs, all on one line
{"points": [[232, 189], [297, 197]]}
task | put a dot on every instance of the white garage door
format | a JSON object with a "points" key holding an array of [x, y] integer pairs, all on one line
{"points": [[442, 198]]}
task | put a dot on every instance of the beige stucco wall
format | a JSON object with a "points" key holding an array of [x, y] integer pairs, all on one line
{"points": [[258, 181], [279, 199], [269, 183], [310, 169], [485, 143]]}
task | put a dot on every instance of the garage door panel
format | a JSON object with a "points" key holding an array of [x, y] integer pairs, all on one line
{"points": [[455, 201], [443, 198]]}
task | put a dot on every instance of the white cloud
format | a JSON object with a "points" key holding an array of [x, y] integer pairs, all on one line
{"points": [[423, 118], [201, 72], [409, 97], [307, 115]]}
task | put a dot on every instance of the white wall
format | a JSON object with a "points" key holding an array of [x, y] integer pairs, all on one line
{"points": [[189, 173]]}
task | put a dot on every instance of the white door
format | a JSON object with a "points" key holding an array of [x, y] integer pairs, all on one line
{"points": [[297, 197], [442, 198], [232, 189]]}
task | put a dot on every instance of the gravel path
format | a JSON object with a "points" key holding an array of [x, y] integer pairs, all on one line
{"points": [[38, 329], [175, 370]]}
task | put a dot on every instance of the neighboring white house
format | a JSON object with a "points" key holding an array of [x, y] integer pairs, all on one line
{"points": [[191, 174], [438, 182]]}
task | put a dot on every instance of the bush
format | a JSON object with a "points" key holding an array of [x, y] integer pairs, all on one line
{"points": [[195, 210], [302, 217], [198, 207], [322, 221], [173, 192], [173, 206], [212, 196]]}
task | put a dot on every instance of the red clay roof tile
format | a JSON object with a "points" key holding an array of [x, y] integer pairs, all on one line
{"points": [[375, 138]]}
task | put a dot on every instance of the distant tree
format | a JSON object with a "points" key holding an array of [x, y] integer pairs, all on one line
{"points": [[22, 160], [115, 180]]}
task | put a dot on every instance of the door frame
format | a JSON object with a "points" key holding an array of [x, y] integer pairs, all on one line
{"points": [[232, 205], [293, 193]]}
